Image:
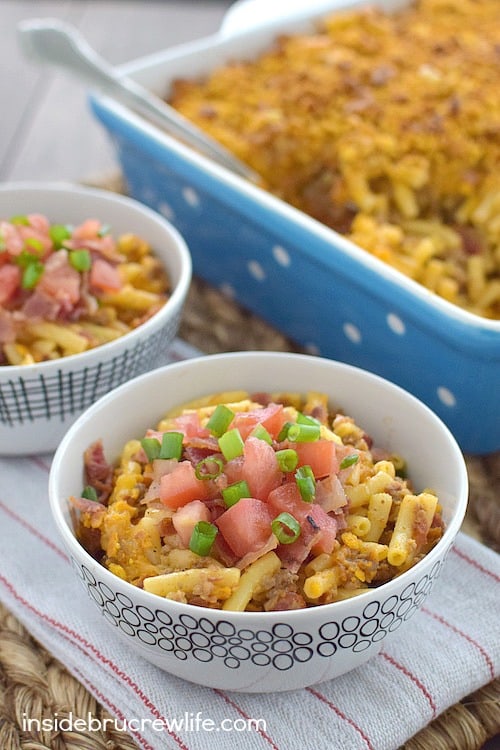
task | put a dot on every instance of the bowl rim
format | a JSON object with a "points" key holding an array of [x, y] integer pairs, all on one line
{"points": [[179, 247], [170, 56], [56, 502]]}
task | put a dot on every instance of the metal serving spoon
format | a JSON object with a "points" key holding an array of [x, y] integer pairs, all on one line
{"points": [[59, 43]]}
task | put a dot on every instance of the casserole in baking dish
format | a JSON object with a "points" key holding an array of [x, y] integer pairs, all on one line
{"points": [[310, 281]]}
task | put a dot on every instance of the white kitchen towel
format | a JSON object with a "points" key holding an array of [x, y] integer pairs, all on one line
{"points": [[448, 649]]}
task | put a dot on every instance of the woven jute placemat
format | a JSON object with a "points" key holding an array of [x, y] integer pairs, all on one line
{"points": [[33, 683]]}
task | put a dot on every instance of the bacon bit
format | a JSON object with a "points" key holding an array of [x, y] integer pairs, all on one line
{"points": [[90, 539], [94, 509], [320, 412], [472, 242], [7, 327], [163, 466], [261, 397], [98, 472], [40, 305], [330, 494], [198, 451], [104, 276], [293, 555], [250, 557], [152, 493], [223, 552], [285, 601], [10, 278], [60, 280]]}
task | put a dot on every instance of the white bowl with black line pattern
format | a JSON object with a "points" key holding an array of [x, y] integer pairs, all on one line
{"points": [[262, 651], [38, 402]]}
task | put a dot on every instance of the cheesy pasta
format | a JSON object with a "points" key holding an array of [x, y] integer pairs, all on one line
{"points": [[64, 289], [254, 503], [383, 126]]}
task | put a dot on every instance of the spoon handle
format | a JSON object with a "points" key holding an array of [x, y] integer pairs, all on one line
{"points": [[59, 43]]}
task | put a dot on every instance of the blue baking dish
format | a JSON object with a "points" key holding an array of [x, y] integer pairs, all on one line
{"points": [[315, 286]]}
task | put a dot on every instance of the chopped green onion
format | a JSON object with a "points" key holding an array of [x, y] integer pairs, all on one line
{"points": [[303, 433], [286, 528], [260, 432], [58, 233], [202, 538], [306, 419], [231, 444], [25, 259], [151, 447], [3, 244], [32, 274], [287, 459], [20, 220], [89, 493], [283, 433], [171, 445], [234, 492], [350, 460], [105, 229], [220, 420], [80, 259], [34, 244], [306, 483], [208, 468]]}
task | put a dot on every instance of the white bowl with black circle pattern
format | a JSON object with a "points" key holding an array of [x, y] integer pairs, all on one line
{"points": [[262, 651], [38, 402]]}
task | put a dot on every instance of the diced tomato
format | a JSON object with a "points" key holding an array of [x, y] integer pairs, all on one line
{"points": [[10, 278], [105, 276], [271, 417], [327, 526], [260, 468], [245, 526], [186, 517], [12, 240], [181, 486], [287, 499], [320, 455]]}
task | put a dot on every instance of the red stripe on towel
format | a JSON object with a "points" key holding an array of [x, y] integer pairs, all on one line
{"points": [[247, 717], [111, 706], [93, 649], [32, 530], [342, 716], [467, 637], [414, 679], [477, 565]]}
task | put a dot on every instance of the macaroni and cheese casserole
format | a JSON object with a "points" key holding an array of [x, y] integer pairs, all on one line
{"points": [[254, 502], [386, 128]]}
